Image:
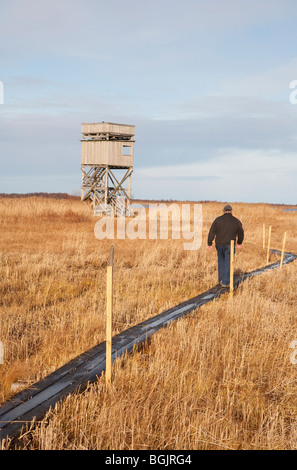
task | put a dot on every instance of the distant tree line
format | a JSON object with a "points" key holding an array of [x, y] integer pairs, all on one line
{"points": [[47, 195]]}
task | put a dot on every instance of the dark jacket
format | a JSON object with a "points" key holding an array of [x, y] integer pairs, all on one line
{"points": [[224, 229]]}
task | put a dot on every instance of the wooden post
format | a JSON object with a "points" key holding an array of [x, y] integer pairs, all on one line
{"points": [[109, 295], [283, 250], [263, 235], [1, 353], [231, 267], [268, 247]]}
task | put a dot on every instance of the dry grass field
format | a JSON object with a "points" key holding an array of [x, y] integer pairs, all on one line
{"points": [[220, 378]]}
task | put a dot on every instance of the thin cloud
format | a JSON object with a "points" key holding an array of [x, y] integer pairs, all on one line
{"points": [[236, 175]]}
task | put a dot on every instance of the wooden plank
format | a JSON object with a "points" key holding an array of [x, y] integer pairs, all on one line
{"points": [[107, 127]]}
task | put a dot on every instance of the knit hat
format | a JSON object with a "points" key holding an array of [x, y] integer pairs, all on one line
{"points": [[227, 208]]}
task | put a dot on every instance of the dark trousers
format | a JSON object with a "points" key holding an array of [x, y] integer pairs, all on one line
{"points": [[224, 263]]}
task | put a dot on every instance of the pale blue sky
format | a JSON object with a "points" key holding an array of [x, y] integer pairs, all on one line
{"points": [[206, 83]]}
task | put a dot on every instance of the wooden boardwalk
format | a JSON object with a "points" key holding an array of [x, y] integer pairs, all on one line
{"points": [[33, 403]]}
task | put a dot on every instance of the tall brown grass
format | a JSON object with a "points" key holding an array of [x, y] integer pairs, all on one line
{"points": [[220, 378]]}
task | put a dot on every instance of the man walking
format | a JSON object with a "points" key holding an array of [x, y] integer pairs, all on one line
{"points": [[224, 229]]}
